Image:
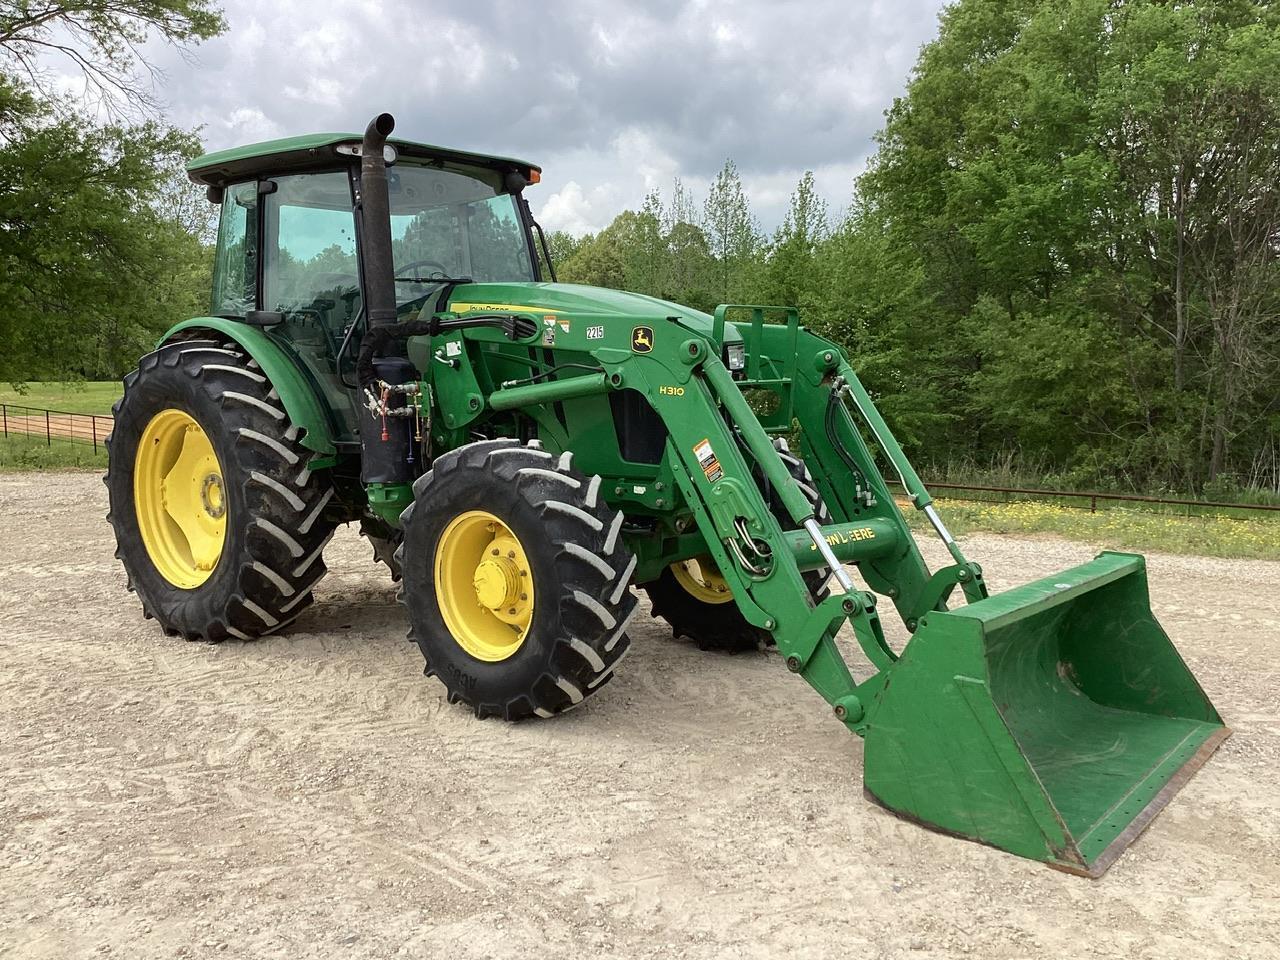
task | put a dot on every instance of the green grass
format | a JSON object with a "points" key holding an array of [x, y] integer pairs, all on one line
{"points": [[76, 397], [1136, 529], [29, 453]]}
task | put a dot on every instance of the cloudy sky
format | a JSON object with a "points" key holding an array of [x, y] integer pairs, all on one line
{"points": [[612, 98]]}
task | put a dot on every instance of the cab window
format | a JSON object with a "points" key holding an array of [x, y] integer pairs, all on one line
{"points": [[235, 268], [311, 274]]}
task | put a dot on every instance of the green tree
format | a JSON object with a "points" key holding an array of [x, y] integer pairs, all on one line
{"points": [[790, 273], [731, 233], [648, 260], [1096, 182], [1065, 253], [601, 260], [90, 269], [103, 242], [688, 278], [562, 246]]}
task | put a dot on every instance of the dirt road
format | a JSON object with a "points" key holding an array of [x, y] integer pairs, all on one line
{"points": [[312, 795]]}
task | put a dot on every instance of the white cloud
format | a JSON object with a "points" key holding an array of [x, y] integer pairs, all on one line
{"points": [[569, 209], [613, 97]]}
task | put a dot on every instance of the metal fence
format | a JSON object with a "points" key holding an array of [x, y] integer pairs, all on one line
{"points": [[17, 420], [988, 494]]}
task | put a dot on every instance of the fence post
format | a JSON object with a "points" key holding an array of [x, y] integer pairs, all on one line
{"points": [[4, 411], [93, 429], [1093, 504], [48, 437]]}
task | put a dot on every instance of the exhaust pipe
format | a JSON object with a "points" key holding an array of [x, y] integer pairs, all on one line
{"points": [[387, 445], [375, 224]]}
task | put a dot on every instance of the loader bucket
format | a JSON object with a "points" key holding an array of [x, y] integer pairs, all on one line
{"points": [[1053, 721]]}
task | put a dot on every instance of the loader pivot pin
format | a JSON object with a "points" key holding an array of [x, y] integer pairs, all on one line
{"points": [[848, 708]]}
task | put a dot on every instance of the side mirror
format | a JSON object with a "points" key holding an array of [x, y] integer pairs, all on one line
{"points": [[214, 195]]}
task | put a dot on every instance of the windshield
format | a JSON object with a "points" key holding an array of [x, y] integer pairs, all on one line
{"points": [[450, 224], [445, 224]]}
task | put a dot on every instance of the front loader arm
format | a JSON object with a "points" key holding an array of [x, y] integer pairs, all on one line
{"points": [[1053, 720], [816, 387], [718, 447], [835, 448], [717, 450]]}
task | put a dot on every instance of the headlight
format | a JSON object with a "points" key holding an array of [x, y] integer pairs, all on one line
{"points": [[389, 155], [735, 356]]}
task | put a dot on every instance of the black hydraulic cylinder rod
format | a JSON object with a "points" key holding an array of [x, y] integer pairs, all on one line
{"points": [[375, 224]]}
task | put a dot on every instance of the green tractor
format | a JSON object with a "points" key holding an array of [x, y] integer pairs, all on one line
{"points": [[383, 349]]}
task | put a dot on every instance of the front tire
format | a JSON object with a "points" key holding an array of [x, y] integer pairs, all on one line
{"points": [[515, 580], [219, 522]]}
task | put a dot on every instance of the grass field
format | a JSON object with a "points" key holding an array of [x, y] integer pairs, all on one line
{"points": [[32, 453], [1135, 529], [77, 397]]}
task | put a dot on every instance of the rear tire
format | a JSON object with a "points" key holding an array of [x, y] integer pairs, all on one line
{"points": [[271, 506], [562, 538], [721, 625]]}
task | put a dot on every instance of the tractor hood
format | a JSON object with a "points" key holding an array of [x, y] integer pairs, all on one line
{"points": [[577, 300]]}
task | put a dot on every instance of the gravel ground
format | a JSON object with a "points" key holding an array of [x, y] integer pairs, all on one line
{"points": [[312, 794]]}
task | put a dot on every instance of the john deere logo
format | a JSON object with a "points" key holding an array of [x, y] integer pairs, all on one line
{"points": [[642, 339]]}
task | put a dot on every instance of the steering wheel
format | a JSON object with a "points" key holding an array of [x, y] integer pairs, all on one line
{"points": [[441, 269]]}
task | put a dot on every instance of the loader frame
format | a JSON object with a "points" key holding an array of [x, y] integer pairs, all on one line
{"points": [[708, 485]]}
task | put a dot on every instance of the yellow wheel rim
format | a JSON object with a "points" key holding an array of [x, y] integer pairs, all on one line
{"points": [[179, 498], [484, 585], [701, 578]]}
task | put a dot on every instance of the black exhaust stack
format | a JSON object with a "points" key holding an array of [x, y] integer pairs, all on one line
{"points": [[375, 224], [387, 446]]}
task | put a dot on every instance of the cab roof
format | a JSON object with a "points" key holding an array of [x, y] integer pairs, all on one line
{"points": [[320, 150]]}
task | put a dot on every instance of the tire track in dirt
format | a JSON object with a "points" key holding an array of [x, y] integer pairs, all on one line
{"points": [[312, 794]]}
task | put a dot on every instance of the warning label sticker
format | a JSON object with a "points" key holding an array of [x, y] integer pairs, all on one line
{"points": [[707, 460]]}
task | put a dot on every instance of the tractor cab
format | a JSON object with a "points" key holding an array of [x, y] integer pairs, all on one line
{"points": [[288, 247]]}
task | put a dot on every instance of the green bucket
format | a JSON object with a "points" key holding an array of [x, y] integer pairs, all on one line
{"points": [[1053, 721]]}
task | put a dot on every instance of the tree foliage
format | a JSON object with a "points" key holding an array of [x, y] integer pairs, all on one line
{"points": [[1063, 254], [101, 40], [102, 239]]}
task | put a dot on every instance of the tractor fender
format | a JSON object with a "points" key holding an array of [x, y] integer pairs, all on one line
{"points": [[296, 392]]}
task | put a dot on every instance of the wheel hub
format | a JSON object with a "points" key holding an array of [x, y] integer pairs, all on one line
{"points": [[495, 582], [701, 578], [484, 585], [211, 496], [179, 498]]}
